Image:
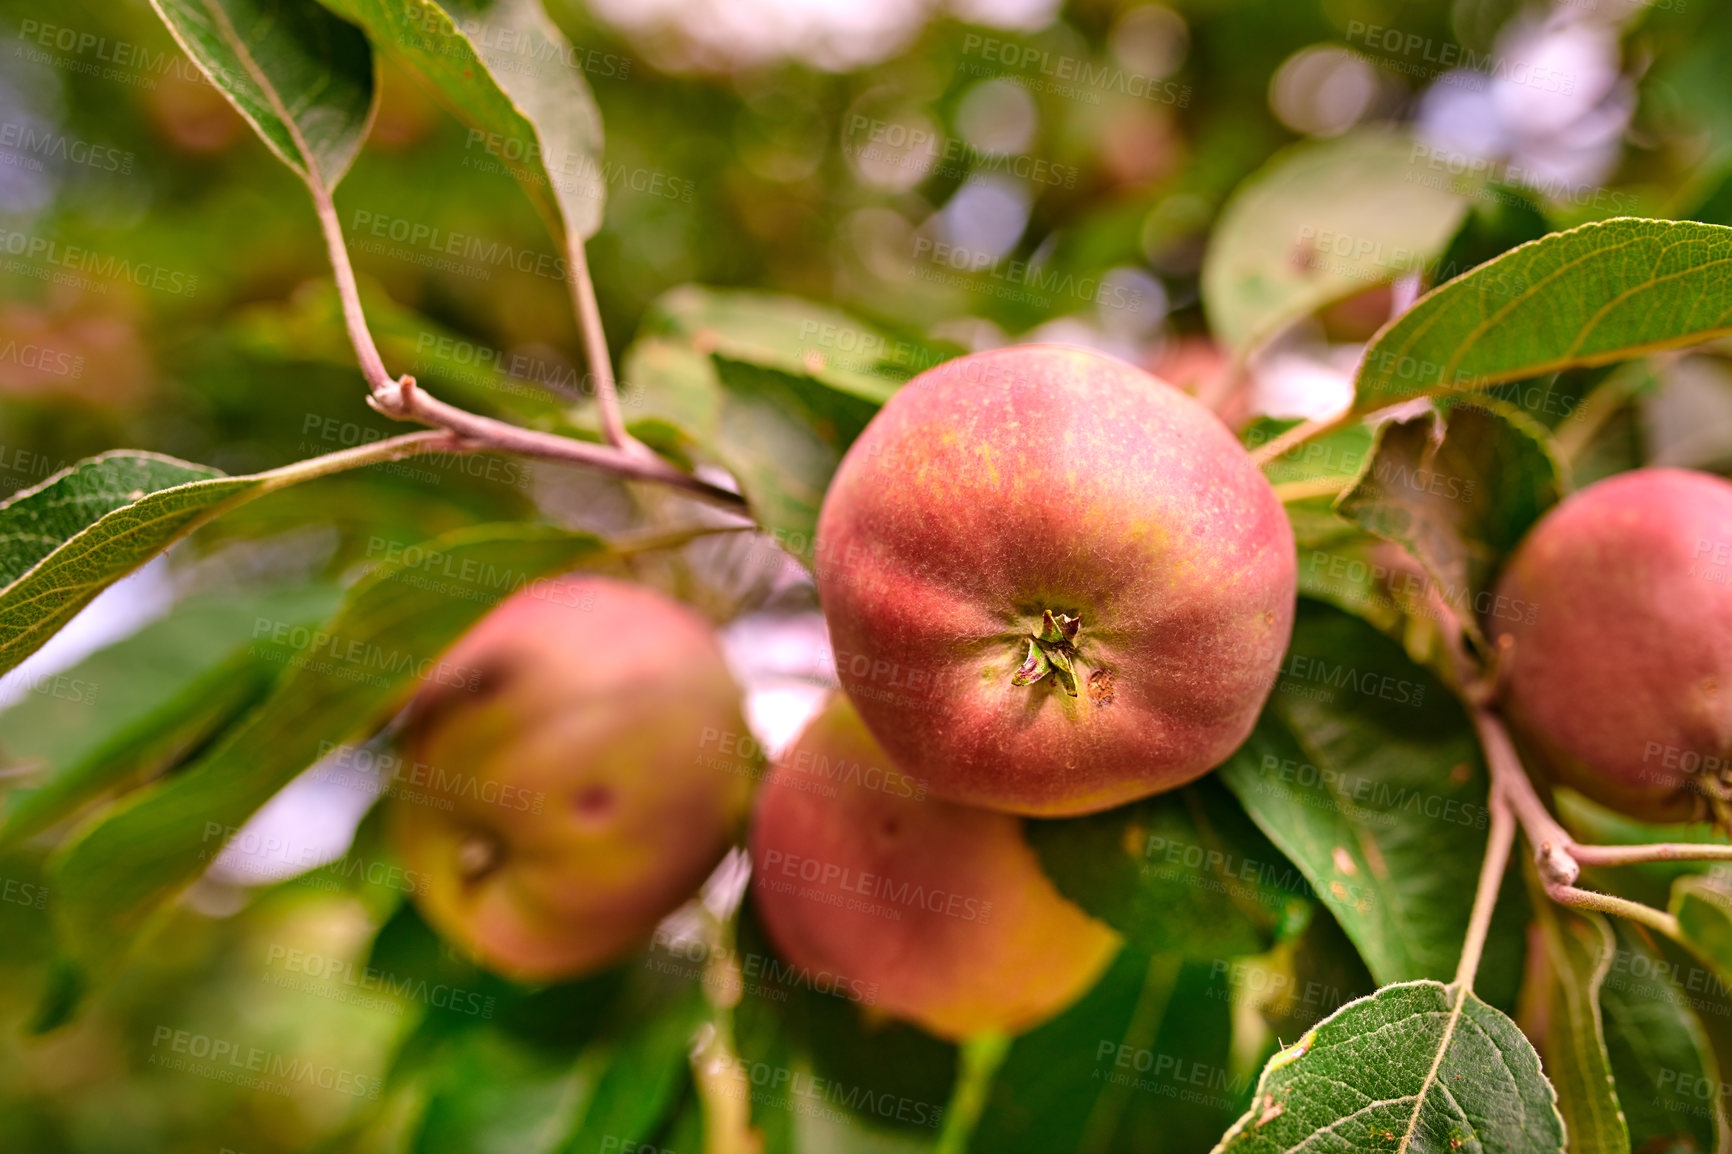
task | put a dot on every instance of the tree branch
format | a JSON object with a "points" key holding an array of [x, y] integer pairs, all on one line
{"points": [[403, 400], [1557, 855], [1552, 843]]}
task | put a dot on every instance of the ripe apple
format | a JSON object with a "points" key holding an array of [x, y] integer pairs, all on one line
{"points": [[1614, 622], [1054, 583], [559, 800], [940, 910]]}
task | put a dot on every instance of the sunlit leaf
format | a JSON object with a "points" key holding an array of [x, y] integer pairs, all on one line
{"points": [[1319, 222], [1596, 294], [507, 70]]}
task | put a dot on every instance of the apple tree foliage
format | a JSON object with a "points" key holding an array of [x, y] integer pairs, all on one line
{"points": [[1292, 924]]}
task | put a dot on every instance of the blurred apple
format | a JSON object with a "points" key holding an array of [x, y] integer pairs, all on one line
{"points": [[560, 801], [942, 908]]}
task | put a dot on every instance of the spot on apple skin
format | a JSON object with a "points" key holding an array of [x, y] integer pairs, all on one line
{"points": [[1102, 689], [595, 803]]}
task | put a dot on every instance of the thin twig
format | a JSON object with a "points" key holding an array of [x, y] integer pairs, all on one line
{"points": [[1552, 843], [403, 400], [1655, 919], [361, 337], [1536, 819], [1497, 850], [378, 452], [595, 351], [1555, 853], [1613, 855], [406, 401]]}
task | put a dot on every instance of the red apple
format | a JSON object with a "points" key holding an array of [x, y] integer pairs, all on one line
{"points": [[562, 806], [1054, 583], [941, 911], [1614, 617]]}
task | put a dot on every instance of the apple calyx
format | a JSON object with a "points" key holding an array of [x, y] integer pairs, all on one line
{"points": [[1051, 652]]}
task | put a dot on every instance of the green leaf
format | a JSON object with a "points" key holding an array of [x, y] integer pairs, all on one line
{"points": [[796, 336], [491, 1091], [1600, 293], [1345, 566], [1303, 979], [1419, 1067], [644, 1072], [1579, 949], [607, 1060], [346, 679], [1321, 221], [828, 1073], [1458, 491], [69, 538], [519, 87], [1143, 1061], [1366, 773], [1658, 1048], [782, 436], [25, 939], [1182, 872], [302, 78], [774, 389], [639, 1062], [671, 396], [39, 520], [1703, 907], [1338, 454], [138, 706]]}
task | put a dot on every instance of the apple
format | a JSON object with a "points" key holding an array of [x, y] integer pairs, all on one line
{"points": [[940, 911], [1054, 583], [559, 799], [1613, 623]]}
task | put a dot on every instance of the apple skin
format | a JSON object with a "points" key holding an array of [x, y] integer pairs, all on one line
{"points": [[940, 910], [582, 810], [1007, 483], [1615, 660]]}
